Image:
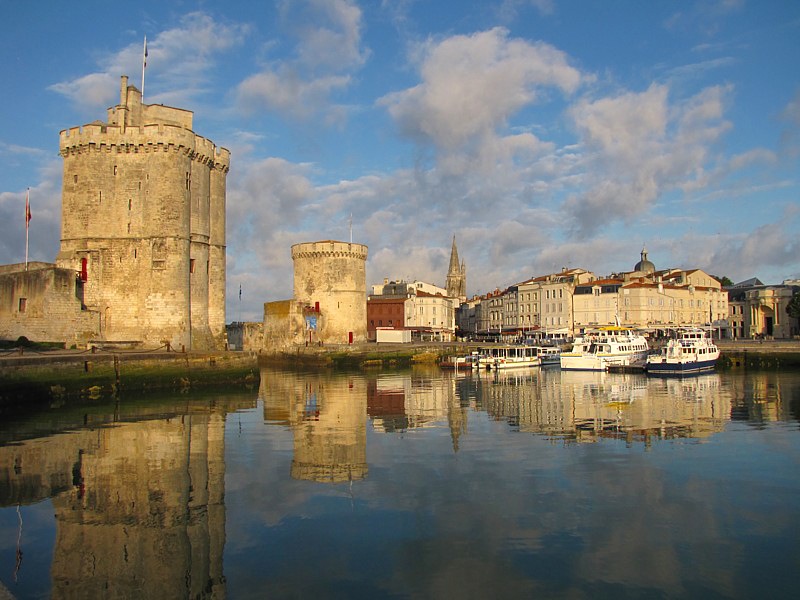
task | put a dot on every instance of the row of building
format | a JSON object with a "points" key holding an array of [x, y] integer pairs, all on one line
{"points": [[567, 303]]}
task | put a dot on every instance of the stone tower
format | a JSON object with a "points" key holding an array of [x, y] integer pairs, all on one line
{"points": [[143, 222], [331, 277], [456, 276]]}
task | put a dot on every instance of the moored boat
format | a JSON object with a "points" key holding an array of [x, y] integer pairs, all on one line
{"points": [[691, 352], [508, 356], [550, 355], [606, 347], [461, 363]]}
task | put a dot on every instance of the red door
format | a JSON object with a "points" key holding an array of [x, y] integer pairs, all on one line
{"points": [[350, 336]]}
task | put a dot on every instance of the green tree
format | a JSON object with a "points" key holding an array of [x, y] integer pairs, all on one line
{"points": [[724, 280], [793, 308]]}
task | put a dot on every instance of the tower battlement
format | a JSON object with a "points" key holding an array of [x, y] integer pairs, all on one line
{"points": [[329, 248], [156, 137]]}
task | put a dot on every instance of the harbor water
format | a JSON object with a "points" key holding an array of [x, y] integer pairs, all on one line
{"points": [[411, 484]]}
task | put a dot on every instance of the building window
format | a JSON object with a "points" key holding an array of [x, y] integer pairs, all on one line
{"points": [[129, 203], [115, 170], [101, 196], [191, 265], [75, 178], [23, 302]]}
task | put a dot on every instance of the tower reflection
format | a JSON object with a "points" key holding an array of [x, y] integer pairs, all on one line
{"points": [[138, 500]]}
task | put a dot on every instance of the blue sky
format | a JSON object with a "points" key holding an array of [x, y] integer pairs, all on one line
{"points": [[542, 133]]}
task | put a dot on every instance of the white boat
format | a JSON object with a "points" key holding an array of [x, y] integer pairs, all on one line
{"points": [[612, 346], [691, 352], [461, 363], [509, 356], [550, 355]]}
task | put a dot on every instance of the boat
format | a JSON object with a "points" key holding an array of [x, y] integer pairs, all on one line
{"points": [[692, 351], [461, 363], [606, 347], [550, 355], [509, 356]]}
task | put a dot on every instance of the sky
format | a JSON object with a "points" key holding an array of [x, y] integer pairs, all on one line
{"points": [[541, 133]]}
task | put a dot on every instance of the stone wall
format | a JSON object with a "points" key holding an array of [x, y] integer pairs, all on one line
{"points": [[284, 324], [247, 336], [44, 304]]}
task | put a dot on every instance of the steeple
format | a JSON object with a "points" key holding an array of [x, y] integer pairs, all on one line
{"points": [[454, 268], [456, 276]]}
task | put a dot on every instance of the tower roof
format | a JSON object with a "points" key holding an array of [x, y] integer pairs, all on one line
{"points": [[644, 265], [454, 264]]}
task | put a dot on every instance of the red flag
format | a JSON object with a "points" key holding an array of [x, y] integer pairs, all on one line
{"points": [[27, 209]]}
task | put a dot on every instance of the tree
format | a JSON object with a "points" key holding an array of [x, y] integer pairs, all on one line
{"points": [[724, 280], [793, 308]]}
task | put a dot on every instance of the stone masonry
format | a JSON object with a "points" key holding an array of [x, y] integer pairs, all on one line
{"points": [[143, 223]]}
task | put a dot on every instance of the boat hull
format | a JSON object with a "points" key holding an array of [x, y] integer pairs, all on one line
{"points": [[680, 368]]}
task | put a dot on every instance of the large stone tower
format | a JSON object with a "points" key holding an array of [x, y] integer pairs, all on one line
{"points": [[331, 278], [456, 276], [143, 222]]}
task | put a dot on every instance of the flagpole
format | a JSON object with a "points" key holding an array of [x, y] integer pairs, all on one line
{"points": [[27, 221], [144, 64]]}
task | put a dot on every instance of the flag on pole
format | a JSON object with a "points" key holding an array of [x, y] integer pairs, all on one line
{"points": [[240, 292], [144, 64], [27, 221]]}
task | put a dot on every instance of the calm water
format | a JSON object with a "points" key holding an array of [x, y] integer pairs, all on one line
{"points": [[413, 484]]}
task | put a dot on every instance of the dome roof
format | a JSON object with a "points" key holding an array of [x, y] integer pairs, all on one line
{"points": [[644, 265]]}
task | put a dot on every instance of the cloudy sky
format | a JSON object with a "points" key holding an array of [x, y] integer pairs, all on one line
{"points": [[542, 133]]}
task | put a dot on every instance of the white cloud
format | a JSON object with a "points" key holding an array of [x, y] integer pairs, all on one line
{"points": [[286, 92], [178, 64], [328, 50], [471, 85], [637, 147], [45, 224]]}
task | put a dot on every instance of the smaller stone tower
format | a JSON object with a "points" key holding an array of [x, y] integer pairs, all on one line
{"points": [[331, 278], [456, 276]]}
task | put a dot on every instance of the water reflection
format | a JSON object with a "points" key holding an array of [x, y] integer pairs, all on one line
{"points": [[137, 495], [327, 416], [476, 485]]}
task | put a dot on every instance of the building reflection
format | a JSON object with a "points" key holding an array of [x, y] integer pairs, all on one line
{"points": [[327, 415], [139, 501]]}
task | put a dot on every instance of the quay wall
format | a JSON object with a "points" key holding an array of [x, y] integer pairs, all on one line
{"points": [[30, 379]]}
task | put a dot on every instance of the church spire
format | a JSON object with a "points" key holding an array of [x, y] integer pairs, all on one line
{"points": [[456, 276], [454, 266]]}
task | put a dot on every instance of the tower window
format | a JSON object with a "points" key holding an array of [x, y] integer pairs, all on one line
{"points": [[100, 196], [115, 169], [191, 265], [23, 302], [129, 203], [75, 178], [129, 227]]}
